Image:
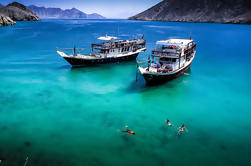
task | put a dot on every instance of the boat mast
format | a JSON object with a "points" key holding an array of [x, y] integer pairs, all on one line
{"points": [[149, 62], [74, 51], [179, 60]]}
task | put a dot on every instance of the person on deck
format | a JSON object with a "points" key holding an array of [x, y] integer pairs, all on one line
{"points": [[128, 131]]}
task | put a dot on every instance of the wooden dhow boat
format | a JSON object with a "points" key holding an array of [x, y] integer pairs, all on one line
{"points": [[110, 51], [170, 59]]}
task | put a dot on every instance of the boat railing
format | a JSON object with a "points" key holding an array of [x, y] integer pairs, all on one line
{"points": [[154, 64], [102, 46], [120, 44], [143, 63], [188, 48], [59, 49], [93, 53], [162, 53], [141, 42], [74, 51], [168, 50], [146, 63]]}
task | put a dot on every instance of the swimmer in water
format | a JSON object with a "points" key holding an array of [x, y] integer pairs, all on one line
{"points": [[128, 131], [169, 123], [181, 129]]}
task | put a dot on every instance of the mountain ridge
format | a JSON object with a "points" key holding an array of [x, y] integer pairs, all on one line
{"points": [[73, 13], [215, 11], [18, 12]]}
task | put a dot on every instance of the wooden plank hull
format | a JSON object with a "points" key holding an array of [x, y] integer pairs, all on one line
{"points": [[156, 79], [81, 62]]}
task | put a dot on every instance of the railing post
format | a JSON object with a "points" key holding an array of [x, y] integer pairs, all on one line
{"points": [[74, 51]]}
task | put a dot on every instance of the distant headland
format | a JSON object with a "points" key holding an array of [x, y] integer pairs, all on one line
{"points": [[73, 13], [215, 11], [18, 12]]}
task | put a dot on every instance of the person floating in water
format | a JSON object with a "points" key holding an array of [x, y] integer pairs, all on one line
{"points": [[181, 129], [169, 123], [128, 131]]}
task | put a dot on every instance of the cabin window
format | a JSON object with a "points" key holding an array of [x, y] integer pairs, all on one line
{"points": [[165, 59], [128, 48], [173, 60]]}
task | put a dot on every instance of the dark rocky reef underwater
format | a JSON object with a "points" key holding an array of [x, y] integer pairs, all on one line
{"points": [[216, 11], [16, 12]]}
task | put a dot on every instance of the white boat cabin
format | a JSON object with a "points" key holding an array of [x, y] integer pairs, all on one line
{"points": [[114, 47], [172, 54]]}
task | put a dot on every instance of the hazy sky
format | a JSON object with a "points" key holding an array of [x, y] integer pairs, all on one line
{"points": [[107, 8]]}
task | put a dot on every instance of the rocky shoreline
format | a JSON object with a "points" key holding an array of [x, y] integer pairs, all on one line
{"points": [[205, 11], [5, 21], [16, 12]]}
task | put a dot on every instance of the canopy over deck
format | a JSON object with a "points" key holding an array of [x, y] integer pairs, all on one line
{"points": [[175, 42], [107, 38]]}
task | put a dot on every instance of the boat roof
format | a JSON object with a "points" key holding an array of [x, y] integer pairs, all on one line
{"points": [[177, 42], [107, 37]]}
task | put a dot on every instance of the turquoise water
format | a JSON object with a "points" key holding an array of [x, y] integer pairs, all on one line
{"points": [[58, 116]]}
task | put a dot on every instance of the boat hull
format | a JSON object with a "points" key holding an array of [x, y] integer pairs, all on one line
{"points": [[79, 62], [155, 78]]}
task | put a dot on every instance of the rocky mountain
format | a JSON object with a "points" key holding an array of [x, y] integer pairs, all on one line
{"points": [[66, 14], [95, 16], [218, 11], [18, 12], [4, 20]]}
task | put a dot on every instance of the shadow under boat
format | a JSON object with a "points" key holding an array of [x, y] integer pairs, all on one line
{"points": [[101, 71]]}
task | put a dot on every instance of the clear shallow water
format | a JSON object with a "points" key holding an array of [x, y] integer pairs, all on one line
{"points": [[60, 116]]}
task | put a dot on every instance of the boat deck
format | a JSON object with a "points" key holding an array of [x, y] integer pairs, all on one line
{"points": [[161, 71]]}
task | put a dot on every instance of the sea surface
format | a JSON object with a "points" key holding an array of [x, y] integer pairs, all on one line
{"points": [[54, 115]]}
